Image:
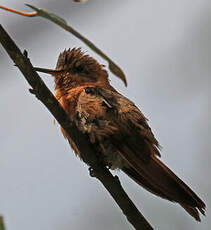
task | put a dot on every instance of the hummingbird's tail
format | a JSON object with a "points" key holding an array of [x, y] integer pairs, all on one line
{"points": [[168, 186]]}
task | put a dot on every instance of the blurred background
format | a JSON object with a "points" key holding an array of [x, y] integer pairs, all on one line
{"points": [[164, 49]]}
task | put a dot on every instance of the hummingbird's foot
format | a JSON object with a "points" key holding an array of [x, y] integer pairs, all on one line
{"points": [[116, 178]]}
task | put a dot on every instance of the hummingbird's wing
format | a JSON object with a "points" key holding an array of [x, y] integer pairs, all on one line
{"points": [[116, 126]]}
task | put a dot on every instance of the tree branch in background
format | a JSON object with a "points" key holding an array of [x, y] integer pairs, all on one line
{"points": [[2, 227], [98, 169], [114, 68]]}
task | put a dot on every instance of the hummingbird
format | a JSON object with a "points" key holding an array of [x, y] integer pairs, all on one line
{"points": [[117, 129]]}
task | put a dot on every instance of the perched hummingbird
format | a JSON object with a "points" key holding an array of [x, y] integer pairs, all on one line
{"points": [[116, 128]]}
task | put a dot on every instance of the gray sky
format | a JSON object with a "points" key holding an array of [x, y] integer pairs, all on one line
{"points": [[164, 49]]}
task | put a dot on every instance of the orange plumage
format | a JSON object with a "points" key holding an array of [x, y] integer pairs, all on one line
{"points": [[116, 128]]}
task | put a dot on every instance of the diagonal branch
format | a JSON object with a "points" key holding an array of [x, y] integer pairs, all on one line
{"points": [[39, 88], [114, 68]]}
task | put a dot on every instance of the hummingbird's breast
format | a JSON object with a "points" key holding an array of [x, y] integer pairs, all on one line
{"points": [[76, 108]]}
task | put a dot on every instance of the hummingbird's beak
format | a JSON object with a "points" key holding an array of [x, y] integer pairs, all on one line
{"points": [[49, 71]]}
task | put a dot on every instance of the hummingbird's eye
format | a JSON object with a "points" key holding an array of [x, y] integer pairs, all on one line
{"points": [[79, 69]]}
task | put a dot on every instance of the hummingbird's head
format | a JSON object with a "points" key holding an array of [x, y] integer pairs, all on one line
{"points": [[74, 68]]}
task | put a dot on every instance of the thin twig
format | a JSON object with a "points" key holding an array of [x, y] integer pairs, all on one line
{"points": [[114, 68], [88, 154], [28, 14]]}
